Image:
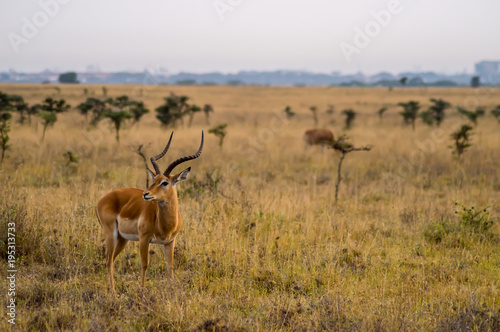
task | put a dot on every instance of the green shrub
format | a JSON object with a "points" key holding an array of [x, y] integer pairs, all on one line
{"points": [[474, 225], [475, 221]]}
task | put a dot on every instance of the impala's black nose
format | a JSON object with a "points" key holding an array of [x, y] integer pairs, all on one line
{"points": [[146, 196]]}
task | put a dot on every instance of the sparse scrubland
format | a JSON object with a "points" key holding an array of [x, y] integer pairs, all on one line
{"points": [[412, 244]]}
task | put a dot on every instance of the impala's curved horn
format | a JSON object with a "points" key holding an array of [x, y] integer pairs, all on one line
{"points": [[155, 158], [184, 159]]}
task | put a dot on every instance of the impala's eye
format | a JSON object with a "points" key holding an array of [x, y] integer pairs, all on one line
{"points": [[164, 183]]}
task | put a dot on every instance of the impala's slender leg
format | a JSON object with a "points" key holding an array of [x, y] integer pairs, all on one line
{"points": [[144, 250], [168, 250], [122, 243], [110, 250]]}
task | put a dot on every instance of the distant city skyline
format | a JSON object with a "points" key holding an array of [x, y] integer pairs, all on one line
{"points": [[490, 75], [229, 36], [164, 71]]}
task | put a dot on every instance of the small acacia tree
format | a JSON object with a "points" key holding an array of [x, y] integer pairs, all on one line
{"points": [[403, 80], [496, 112], [94, 105], [14, 103], [314, 111], [350, 115], [85, 108], [473, 116], [55, 105], [410, 112], [120, 102], [18, 105], [124, 103], [173, 110], [344, 146], [191, 111], [220, 132], [33, 110], [427, 117], [207, 109], [5, 116], [138, 110], [437, 110], [381, 112], [120, 109], [4, 132], [48, 120], [288, 112], [462, 140], [48, 111], [4, 102], [117, 117], [100, 108]]}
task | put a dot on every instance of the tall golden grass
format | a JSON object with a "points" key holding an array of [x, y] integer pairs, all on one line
{"points": [[264, 246]]}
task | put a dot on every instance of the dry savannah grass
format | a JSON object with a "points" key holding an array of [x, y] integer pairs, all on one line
{"points": [[263, 247]]}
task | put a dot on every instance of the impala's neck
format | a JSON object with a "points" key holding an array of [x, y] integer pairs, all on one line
{"points": [[167, 214]]}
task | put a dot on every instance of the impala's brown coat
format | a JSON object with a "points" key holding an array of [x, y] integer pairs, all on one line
{"points": [[149, 216], [318, 137]]}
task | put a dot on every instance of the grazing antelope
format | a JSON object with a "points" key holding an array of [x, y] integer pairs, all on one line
{"points": [[318, 137], [149, 216]]}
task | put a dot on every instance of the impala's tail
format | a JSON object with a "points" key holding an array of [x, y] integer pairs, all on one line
{"points": [[97, 215]]}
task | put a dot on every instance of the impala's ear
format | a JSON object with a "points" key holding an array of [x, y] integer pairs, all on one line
{"points": [[151, 174], [181, 176]]}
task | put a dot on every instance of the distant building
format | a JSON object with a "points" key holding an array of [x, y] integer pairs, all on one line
{"points": [[486, 69]]}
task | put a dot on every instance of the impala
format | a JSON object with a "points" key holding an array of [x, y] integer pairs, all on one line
{"points": [[149, 216], [318, 137]]}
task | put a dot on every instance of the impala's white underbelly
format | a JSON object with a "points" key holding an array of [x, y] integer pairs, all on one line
{"points": [[127, 228], [153, 240], [128, 225], [130, 237]]}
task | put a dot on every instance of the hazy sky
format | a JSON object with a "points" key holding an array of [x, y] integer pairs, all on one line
{"points": [[446, 36]]}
